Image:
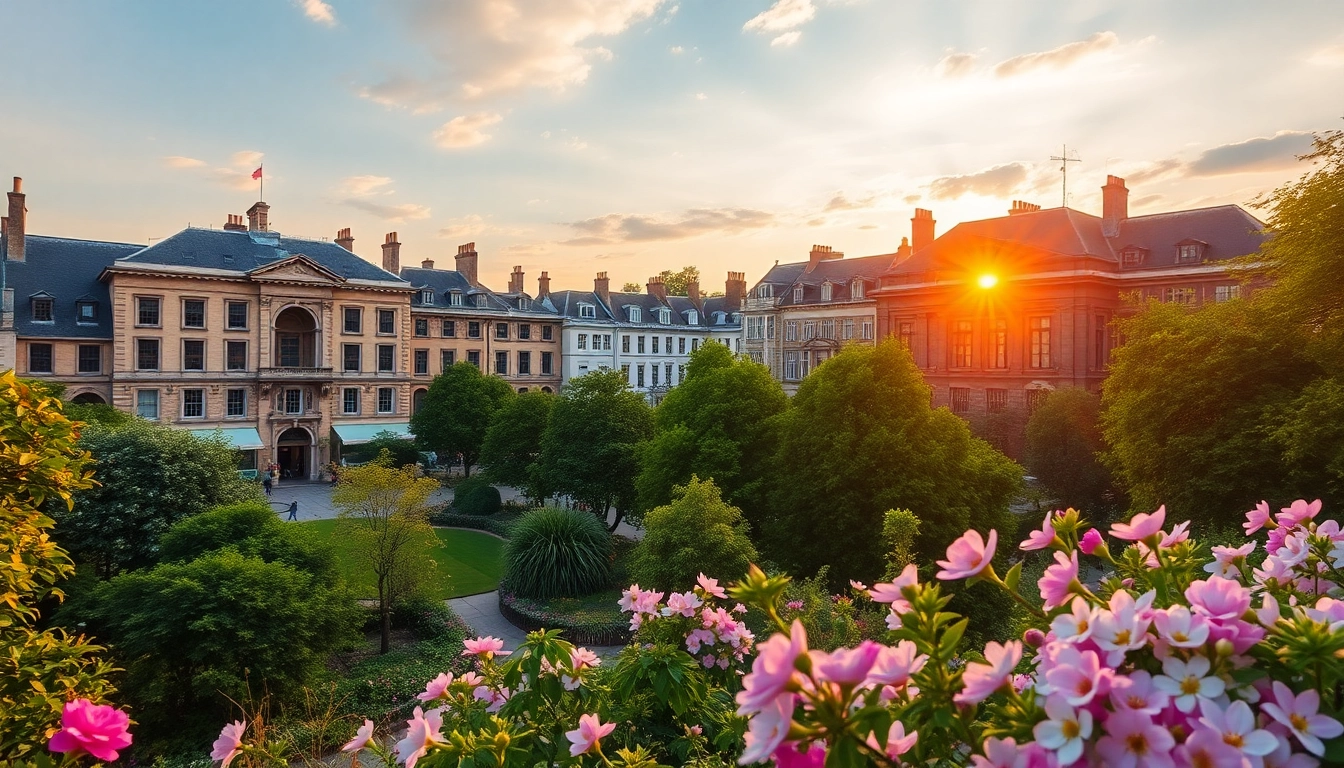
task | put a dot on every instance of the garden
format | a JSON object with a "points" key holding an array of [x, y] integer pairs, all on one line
{"points": [[466, 562]]}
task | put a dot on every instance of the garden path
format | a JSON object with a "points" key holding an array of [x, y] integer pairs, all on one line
{"points": [[482, 613]]}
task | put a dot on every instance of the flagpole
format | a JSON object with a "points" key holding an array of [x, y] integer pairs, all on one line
{"points": [[261, 193]]}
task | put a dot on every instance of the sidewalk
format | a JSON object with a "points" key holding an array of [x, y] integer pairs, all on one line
{"points": [[482, 613]]}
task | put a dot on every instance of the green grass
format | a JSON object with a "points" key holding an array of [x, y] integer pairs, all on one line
{"points": [[470, 562]]}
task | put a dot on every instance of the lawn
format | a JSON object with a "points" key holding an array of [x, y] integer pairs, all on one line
{"points": [[470, 562]]}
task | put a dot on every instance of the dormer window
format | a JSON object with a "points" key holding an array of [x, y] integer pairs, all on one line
{"points": [[826, 291], [524, 303], [42, 309], [1131, 258], [765, 291], [1189, 252], [665, 316], [427, 296], [587, 311], [856, 291], [455, 299], [86, 312], [797, 293], [737, 318], [635, 314], [692, 317], [482, 301]]}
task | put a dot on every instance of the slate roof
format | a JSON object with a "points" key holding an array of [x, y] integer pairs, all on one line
{"points": [[67, 270], [839, 272], [243, 251], [566, 304], [1228, 230]]}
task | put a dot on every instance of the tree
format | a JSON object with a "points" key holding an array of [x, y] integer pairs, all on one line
{"points": [[150, 476], [632, 288], [1063, 443], [384, 513], [589, 451], [457, 411], [513, 442], [401, 450], [253, 529], [715, 425], [860, 438], [698, 532], [678, 283]]}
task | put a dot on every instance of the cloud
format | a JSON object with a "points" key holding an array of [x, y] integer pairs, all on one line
{"points": [[466, 226], [817, 222], [786, 39], [318, 11], [1259, 154], [629, 228], [700, 97], [677, 49], [177, 161], [481, 48], [869, 226], [1056, 58], [842, 203], [956, 65], [466, 130], [912, 198], [363, 186], [1154, 171], [402, 212], [1330, 56], [783, 15], [999, 181]]}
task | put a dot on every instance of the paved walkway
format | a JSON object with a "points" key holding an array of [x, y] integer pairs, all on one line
{"points": [[482, 613]]}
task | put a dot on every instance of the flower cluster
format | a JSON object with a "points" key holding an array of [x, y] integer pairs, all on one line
{"points": [[714, 633]]}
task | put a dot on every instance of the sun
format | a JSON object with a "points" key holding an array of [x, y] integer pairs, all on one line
{"points": [[987, 281]]}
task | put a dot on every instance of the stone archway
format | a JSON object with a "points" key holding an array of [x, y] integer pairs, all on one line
{"points": [[294, 452], [296, 342], [88, 398]]}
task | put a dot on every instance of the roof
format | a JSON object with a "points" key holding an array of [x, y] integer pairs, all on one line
{"points": [[1227, 230], [243, 251], [66, 269], [444, 282], [840, 272], [566, 304]]}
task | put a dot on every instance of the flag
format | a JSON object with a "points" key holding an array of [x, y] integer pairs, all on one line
{"points": [[257, 173]]}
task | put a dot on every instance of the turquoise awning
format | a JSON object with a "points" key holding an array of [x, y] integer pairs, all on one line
{"points": [[354, 434], [242, 438]]}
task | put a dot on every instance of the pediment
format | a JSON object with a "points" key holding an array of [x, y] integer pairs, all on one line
{"points": [[296, 268]]}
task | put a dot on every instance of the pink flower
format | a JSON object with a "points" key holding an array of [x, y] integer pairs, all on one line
{"points": [[591, 729], [1256, 518], [767, 728], [982, 680], [710, 586], [1141, 526], [1299, 714], [1078, 676], [423, 733], [497, 699], [1133, 740], [1090, 541], [898, 743], [684, 603], [436, 688], [1042, 538], [895, 664], [1033, 637], [1000, 753], [1219, 598], [858, 586], [1235, 726], [893, 592], [1065, 730], [1181, 628], [95, 729], [229, 743], [1135, 691], [1125, 626], [1227, 560], [792, 754], [795, 605], [1074, 626], [362, 738], [772, 671], [1269, 614], [968, 556], [1186, 682], [1299, 512], [1205, 747], [846, 666], [485, 647], [1057, 583], [1178, 534]]}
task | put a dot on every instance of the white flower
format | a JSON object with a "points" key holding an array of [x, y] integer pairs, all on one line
{"points": [[1236, 726], [1075, 626], [1187, 681], [1065, 731]]}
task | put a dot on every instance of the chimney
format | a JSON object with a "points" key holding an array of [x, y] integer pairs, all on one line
{"points": [[466, 261], [427, 264], [657, 288], [344, 240], [543, 286], [734, 289], [516, 280], [234, 223], [921, 228], [601, 286], [822, 253], [392, 254], [1114, 205], [903, 252], [258, 217], [1021, 207], [15, 223], [693, 291]]}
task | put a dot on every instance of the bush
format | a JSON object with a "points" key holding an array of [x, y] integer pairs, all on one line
{"points": [[1063, 443], [697, 533], [558, 553], [399, 449], [253, 529], [500, 525], [476, 496]]}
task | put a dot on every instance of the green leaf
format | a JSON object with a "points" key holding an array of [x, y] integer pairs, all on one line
{"points": [[1013, 577]]}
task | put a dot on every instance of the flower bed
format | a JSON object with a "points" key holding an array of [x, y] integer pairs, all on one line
{"points": [[591, 620]]}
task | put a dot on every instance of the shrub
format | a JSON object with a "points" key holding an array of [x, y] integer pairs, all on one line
{"points": [[400, 451], [558, 553], [500, 525], [476, 496], [1063, 442], [253, 529], [697, 533]]}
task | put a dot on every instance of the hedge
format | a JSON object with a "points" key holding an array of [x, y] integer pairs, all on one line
{"points": [[530, 616]]}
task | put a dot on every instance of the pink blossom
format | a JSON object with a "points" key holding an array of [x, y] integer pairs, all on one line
{"points": [[1034, 638], [1000, 753], [423, 732], [1256, 518], [437, 688], [1065, 730], [1133, 740], [591, 730], [710, 586], [792, 754], [968, 556], [1300, 715], [795, 605], [497, 699], [1235, 726], [1268, 614], [1181, 628], [1299, 512], [1135, 691], [846, 666], [1042, 538], [1186, 682], [772, 671], [982, 680], [1227, 560], [1076, 675], [895, 664], [96, 729], [1125, 626], [1219, 598], [1058, 582], [1141, 526], [898, 743], [858, 586], [1205, 747], [767, 728], [229, 743], [1178, 534], [485, 647], [684, 603], [1283, 755], [1090, 541], [894, 592], [1074, 626], [363, 736]]}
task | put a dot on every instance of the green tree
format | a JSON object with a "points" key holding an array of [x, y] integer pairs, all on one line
{"points": [[860, 438], [1063, 444], [254, 530], [150, 476], [715, 425], [400, 450], [384, 512], [102, 414], [513, 441], [698, 532], [678, 283], [589, 449], [632, 288], [457, 411]]}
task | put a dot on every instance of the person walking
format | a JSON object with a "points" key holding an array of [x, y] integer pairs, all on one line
{"points": [[293, 511], [266, 482]]}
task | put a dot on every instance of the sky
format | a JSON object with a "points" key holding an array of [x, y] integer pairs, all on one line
{"points": [[633, 136]]}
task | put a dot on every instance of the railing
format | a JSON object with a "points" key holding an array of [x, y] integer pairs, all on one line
{"points": [[757, 302], [295, 372]]}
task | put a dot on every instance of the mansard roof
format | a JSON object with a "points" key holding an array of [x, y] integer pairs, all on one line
{"points": [[244, 251], [66, 269], [840, 272]]}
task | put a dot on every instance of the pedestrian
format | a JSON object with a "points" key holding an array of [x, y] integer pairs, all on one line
{"points": [[293, 511], [266, 481]]}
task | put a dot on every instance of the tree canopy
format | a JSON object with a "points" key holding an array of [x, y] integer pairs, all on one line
{"points": [[697, 532], [1063, 443], [513, 441], [457, 411]]}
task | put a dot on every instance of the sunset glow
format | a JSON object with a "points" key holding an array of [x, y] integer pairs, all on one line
{"points": [[987, 281]]}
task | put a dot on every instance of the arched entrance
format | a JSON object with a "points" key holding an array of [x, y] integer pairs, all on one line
{"points": [[89, 398], [417, 400], [294, 452], [295, 339]]}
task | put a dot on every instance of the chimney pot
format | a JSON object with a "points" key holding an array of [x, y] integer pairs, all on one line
{"points": [[18, 183], [921, 228], [822, 253], [427, 264], [16, 224], [734, 290], [235, 223], [516, 280], [345, 240], [656, 287], [391, 254], [258, 217], [543, 286], [601, 287], [466, 262], [1114, 205]]}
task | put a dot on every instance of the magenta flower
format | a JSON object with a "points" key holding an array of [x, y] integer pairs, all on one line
{"points": [[229, 743], [1140, 526], [590, 731], [1188, 681], [436, 688], [1042, 538], [895, 664], [1133, 740], [1299, 512], [1136, 692], [96, 729], [710, 586], [1076, 675], [846, 666], [772, 671], [362, 738], [898, 743], [968, 556], [1257, 518], [423, 732], [1090, 541], [1205, 747], [893, 593], [1065, 730], [1219, 598], [981, 680], [792, 754], [1235, 727], [1300, 715], [1057, 584], [767, 728], [795, 605], [485, 647]]}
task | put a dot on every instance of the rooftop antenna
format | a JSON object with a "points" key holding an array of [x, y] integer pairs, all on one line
{"points": [[1064, 161]]}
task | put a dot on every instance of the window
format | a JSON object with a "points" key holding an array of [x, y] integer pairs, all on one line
{"points": [[455, 299], [669, 345], [449, 329], [847, 332], [292, 401], [667, 373], [790, 330], [587, 310], [961, 344], [350, 357], [996, 400], [695, 344], [625, 344], [193, 313], [501, 330], [828, 329], [290, 348], [502, 363], [905, 331], [147, 403], [193, 355], [636, 314], [755, 327], [770, 328], [790, 366], [482, 300], [147, 354], [42, 310], [474, 357], [422, 327], [422, 362], [625, 371], [1130, 258], [387, 321], [582, 341], [639, 345], [866, 331], [387, 358], [235, 403], [1180, 295], [797, 294], [826, 291], [765, 291], [809, 330], [606, 342], [427, 296], [524, 363], [86, 312], [1034, 399], [1040, 342], [193, 403], [665, 316], [147, 311], [856, 290], [1226, 292], [446, 359], [692, 317], [235, 355], [639, 376], [90, 358], [546, 333], [524, 331], [1188, 252], [961, 399], [653, 375], [681, 345], [473, 329], [545, 363], [39, 358], [354, 320], [1000, 344], [386, 403], [236, 312], [681, 373], [524, 303], [655, 345]]}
